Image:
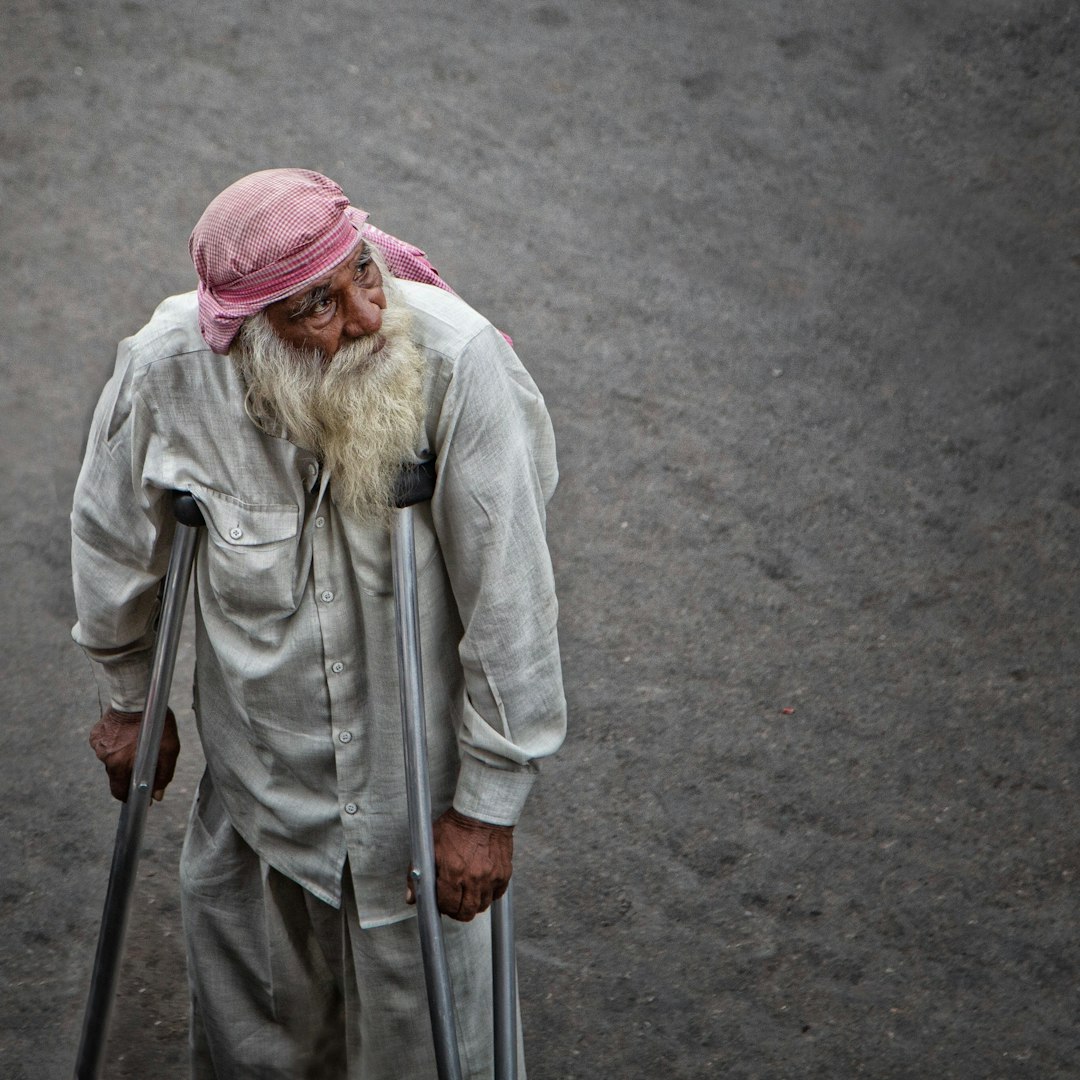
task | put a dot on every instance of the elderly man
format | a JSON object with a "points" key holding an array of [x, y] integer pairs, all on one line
{"points": [[285, 396]]}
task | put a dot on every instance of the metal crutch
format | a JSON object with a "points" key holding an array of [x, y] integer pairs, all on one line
{"points": [[504, 984], [417, 485], [125, 861]]}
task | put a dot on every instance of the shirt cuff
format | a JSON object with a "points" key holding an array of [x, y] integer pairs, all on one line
{"points": [[496, 796], [124, 681]]}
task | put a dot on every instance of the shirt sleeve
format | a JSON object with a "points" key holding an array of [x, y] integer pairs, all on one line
{"points": [[496, 473], [120, 535]]}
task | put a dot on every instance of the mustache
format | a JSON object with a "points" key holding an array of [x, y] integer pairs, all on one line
{"points": [[362, 355]]}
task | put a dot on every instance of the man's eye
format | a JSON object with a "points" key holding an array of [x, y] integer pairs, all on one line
{"points": [[363, 268], [320, 307]]}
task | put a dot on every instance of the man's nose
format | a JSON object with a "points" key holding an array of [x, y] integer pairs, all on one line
{"points": [[364, 313]]}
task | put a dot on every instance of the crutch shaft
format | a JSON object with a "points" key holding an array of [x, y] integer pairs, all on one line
{"points": [[504, 985], [411, 688], [125, 860]]}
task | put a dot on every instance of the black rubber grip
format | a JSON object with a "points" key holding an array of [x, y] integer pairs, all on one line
{"points": [[187, 509], [416, 483]]}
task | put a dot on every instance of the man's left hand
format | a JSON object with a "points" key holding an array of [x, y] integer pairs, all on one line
{"points": [[473, 862]]}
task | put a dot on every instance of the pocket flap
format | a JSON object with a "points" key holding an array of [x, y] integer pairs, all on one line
{"points": [[242, 524]]}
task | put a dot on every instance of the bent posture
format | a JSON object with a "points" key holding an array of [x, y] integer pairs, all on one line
{"points": [[319, 355]]}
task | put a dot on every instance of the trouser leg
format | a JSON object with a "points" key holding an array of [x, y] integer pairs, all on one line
{"points": [[265, 1003], [386, 999], [285, 987]]}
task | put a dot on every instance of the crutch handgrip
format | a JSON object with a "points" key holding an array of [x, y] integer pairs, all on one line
{"points": [[415, 483], [187, 511]]}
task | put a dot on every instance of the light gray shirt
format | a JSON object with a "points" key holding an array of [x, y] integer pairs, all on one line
{"points": [[296, 687]]}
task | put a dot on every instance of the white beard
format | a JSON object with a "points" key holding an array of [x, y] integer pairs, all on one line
{"points": [[362, 413]]}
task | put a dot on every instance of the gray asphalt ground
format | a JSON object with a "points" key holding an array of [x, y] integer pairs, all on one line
{"points": [[800, 283]]}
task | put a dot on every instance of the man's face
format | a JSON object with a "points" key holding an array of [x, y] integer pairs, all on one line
{"points": [[346, 305], [362, 412]]}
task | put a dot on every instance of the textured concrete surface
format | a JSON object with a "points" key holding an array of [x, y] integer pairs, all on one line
{"points": [[799, 282]]}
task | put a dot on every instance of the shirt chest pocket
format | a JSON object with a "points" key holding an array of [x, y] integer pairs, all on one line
{"points": [[251, 554]]}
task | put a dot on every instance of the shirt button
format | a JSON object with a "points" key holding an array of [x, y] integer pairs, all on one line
{"points": [[350, 808], [320, 522], [345, 736], [327, 596], [236, 532], [337, 666]]}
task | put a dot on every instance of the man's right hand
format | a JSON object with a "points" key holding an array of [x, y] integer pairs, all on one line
{"points": [[114, 739]]}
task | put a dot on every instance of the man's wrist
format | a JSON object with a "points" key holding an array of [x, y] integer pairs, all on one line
{"points": [[124, 716]]}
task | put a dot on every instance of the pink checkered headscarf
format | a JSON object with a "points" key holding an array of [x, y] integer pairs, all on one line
{"points": [[273, 233]]}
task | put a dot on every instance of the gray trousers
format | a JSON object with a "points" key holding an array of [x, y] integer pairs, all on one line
{"points": [[286, 987]]}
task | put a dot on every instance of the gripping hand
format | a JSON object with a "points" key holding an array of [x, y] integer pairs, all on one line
{"points": [[114, 739], [473, 863]]}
